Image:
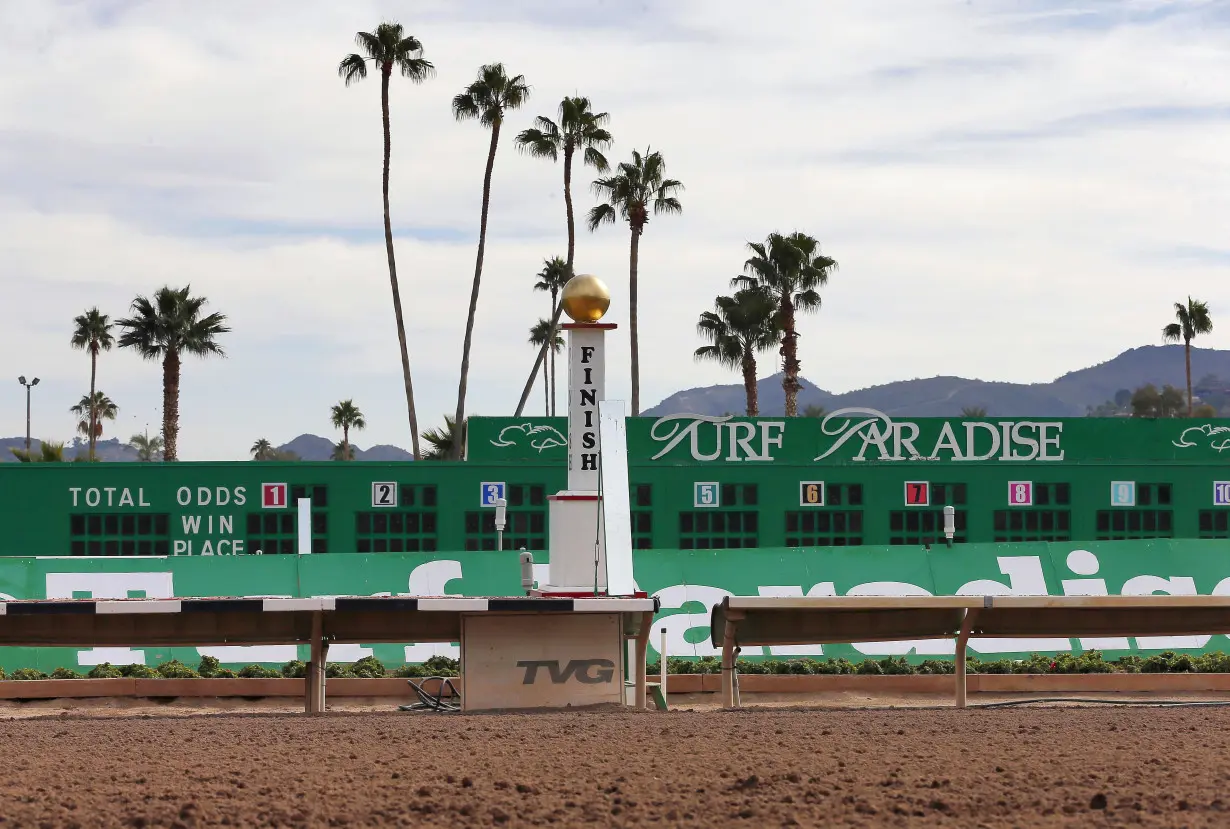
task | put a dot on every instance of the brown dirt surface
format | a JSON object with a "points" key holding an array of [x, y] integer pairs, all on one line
{"points": [[1051, 766]]}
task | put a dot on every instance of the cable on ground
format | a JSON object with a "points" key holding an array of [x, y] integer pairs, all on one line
{"points": [[434, 702]]}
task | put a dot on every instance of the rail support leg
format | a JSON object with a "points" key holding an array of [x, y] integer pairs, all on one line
{"points": [[314, 680], [642, 650], [728, 664], [962, 645]]}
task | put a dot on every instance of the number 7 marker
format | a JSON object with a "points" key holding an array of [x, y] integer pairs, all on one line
{"points": [[917, 493]]}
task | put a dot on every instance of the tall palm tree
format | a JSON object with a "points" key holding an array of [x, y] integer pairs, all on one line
{"points": [[148, 448], [346, 416], [165, 328], [93, 409], [263, 450], [578, 128], [444, 442], [388, 48], [552, 278], [737, 328], [1193, 320], [540, 334], [492, 94], [92, 333], [637, 188], [790, 268]]}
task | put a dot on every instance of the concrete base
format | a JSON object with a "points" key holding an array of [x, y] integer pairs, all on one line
{"points": [[541, 661]]}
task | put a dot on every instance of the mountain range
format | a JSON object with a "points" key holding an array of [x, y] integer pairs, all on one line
{"points": [[1071, 395]]}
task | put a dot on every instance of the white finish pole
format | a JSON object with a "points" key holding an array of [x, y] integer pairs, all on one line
{"points": [[305, 526]]}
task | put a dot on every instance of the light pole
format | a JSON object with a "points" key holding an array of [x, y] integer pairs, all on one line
{"points": [[28, 386]]}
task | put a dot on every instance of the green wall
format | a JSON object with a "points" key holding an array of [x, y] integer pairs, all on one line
{"points": [[688, 583], [696, 483]]}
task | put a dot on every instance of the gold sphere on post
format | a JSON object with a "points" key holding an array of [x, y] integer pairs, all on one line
{"points": [[585, 298]]}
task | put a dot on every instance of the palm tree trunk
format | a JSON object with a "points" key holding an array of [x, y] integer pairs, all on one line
{"points": [[551, 353], [170, 406], [790, 357], [749, 384], [93, 413], [459, 418], [388, 245], [345, 442], [572, 228], [546, 394], [633, 260], [1187, 358]]}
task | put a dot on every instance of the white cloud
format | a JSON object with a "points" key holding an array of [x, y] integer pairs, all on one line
{"points": [[1011, 192]]}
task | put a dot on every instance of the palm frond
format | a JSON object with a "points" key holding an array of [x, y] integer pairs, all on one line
{"points": [[465, 106], [416, 69], [371, 44], [595, 159], [599, 215], [538, 142], [352, 68]]}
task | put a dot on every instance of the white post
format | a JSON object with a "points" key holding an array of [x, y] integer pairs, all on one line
{"points": [[575, 513], [305, 526], [662, 664]]}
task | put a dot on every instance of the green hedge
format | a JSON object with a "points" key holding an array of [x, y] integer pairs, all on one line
{"points": [[367, 667], [1089, 662]]}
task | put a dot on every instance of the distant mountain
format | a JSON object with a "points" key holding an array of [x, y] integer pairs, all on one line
{"points": [[316, 448], [1067, 396]]}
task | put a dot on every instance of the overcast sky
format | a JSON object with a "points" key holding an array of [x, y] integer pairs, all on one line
{"points": [[1013, 190]]}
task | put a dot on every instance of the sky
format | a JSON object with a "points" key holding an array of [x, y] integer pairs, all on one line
{"points": [[1013, 189]]}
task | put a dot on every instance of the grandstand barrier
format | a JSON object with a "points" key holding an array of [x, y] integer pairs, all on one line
{"points": [[528, 670], [739, 621]]}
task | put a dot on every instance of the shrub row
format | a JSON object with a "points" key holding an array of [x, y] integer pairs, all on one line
{"points": [[1089, 662], [209, 668]]}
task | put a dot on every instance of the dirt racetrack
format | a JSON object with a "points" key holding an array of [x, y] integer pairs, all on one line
{"points": [[1088, 766]]}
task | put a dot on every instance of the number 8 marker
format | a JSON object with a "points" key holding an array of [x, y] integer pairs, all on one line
{"points": [[1021, 494]]}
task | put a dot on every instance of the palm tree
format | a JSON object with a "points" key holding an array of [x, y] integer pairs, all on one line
{"points": [[390, 47], [444, 441], [486, 100], [93, 409], [342, 451], [552, 278], [346, 416], [47, 453], [737, 328], [812, 410], [579, 128], [637, 188], [973, 411], [148, 448], [92, 333], [540, 333], [790, 268], [263, 450], [165, 328], [1193, 319]]}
